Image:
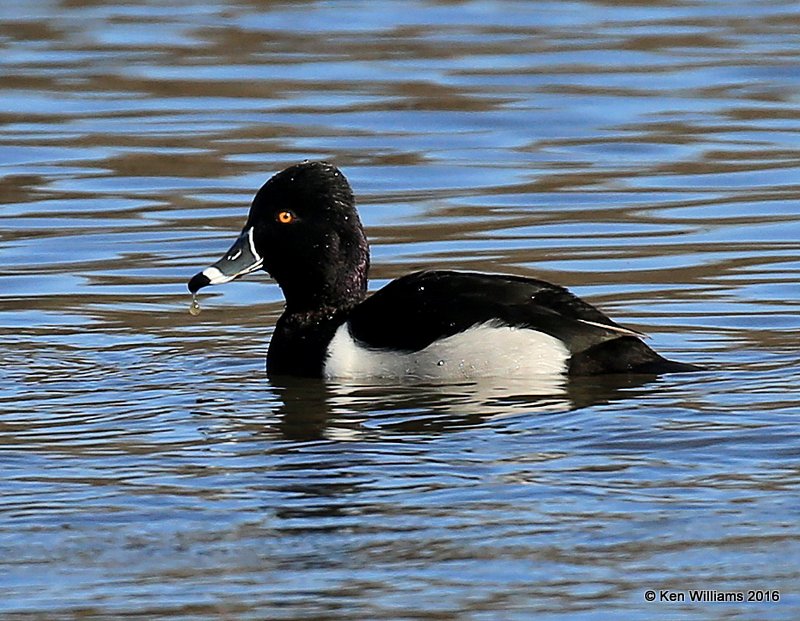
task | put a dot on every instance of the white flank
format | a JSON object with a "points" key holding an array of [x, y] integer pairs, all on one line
{"points": [[485, 350]]}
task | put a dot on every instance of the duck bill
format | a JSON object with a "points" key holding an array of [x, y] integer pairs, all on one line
{"points": [[241, 259]]}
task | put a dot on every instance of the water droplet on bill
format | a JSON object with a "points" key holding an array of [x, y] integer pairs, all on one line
{"points": [[194, 307]]}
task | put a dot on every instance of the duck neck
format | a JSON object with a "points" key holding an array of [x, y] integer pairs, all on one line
{"points": [[332, 284], [324, 297]]}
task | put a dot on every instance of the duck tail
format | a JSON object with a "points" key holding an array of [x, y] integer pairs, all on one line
{"points": [[626, 354]]}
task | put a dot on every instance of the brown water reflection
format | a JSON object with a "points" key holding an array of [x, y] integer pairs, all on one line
{"points": [[643, 154]]}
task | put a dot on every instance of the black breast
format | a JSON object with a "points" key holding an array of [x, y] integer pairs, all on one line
{"points": [[300, 342]]}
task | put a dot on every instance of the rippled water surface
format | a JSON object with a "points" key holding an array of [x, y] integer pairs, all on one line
{"points": [[645, 154]]}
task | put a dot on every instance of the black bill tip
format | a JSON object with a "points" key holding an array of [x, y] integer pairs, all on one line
{"points": [[197, 282]]}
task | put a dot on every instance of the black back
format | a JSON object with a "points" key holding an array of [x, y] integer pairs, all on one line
{"points": [[415, 310]]}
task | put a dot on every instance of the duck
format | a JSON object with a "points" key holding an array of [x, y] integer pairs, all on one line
{"points": [[304, 230]]}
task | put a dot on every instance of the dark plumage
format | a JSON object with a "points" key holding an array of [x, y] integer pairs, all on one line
{"points": [[304, 230]]}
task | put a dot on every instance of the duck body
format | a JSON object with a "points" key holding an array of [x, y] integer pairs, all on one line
{"points": [[304, 230]]}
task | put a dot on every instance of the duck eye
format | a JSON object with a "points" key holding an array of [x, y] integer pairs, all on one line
{"points": [[285, 217]]}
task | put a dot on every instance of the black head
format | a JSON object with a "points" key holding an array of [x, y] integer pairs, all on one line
{"points": [[304, 230]]}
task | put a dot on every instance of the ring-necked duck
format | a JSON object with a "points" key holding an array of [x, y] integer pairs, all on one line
{"points": [[304, 230]]}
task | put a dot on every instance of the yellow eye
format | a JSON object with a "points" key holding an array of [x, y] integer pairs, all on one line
{"points": [[285, 217]]}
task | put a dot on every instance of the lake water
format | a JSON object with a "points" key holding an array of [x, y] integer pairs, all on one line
{"points": [[645, 154]]}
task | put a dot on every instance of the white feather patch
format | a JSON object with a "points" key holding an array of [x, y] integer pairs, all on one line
{"points": [[215, 277], [485, 350], [617, 329]]}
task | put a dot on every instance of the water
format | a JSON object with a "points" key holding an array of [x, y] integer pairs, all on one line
{"points": [[644, 154]]}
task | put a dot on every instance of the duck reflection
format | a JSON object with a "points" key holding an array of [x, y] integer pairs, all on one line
{"points": [[313, 409]]}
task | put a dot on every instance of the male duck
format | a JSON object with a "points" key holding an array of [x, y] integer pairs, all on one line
{"points": [[303, 228]]}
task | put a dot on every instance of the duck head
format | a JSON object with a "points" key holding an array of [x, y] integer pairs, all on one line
{"points": [[304, 230]]}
